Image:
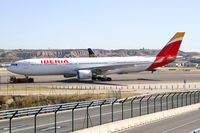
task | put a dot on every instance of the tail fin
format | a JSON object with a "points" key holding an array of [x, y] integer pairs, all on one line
{"points": [[172, 47], [91, 53], [169, 53]]}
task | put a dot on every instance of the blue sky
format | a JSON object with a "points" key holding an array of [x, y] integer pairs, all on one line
{"points": [[105, 24]]}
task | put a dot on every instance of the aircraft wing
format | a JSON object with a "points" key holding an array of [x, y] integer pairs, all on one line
{"points": [[103, 68]]}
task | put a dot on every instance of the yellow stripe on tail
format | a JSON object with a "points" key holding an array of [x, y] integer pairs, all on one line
{"points": [[177, 35]]}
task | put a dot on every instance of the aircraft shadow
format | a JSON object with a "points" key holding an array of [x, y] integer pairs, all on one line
{"points": [[141, 79], [71, 81], [76, 81], [87, 82]]}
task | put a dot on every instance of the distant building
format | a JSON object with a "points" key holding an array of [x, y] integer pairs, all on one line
{"points": [[4, 65], [185, 64]]}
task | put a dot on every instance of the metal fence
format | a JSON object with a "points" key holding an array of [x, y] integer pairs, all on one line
{"points": [[128, 107], [5, 114]]}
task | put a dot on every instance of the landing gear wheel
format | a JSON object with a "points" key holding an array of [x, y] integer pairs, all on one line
{"points": [[94, 78], [103, 79], [108, 79], [30, 80], [99, 78]]}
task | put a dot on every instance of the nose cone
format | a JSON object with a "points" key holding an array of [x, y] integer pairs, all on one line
{"points": [[10, 68]]}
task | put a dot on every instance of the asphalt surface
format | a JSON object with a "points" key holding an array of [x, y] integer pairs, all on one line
{"points": [[45, 122], [126, 79], [183, 123]]}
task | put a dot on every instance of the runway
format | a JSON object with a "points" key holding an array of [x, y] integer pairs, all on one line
{"points": [[184, 123], [45, 122], [126, 79]]}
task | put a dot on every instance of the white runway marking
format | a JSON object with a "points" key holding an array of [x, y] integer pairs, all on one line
{"points": [[50, 128], [180, 126]]}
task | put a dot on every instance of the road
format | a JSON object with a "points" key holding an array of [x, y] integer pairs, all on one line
{"points": [[45, 122], [183, 123]]}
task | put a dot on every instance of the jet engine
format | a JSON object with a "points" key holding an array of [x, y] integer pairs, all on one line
{"points": [[84, 74]]}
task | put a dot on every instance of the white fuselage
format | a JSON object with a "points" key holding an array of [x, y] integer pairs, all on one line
{"points": [[69, 66]]}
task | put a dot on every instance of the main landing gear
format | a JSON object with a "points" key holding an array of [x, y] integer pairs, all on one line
{"points": [[102, 78]]}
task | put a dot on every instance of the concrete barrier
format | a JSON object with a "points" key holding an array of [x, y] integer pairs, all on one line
{"points": [[140, 120]]}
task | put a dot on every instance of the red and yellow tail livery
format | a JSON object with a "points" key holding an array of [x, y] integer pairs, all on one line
{"points": [[98, 68], [169, 53]]}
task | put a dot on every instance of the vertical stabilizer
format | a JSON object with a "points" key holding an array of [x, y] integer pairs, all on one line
{"points": [[169, 53]]}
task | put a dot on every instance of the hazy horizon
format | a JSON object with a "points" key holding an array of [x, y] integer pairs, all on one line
{"points": [[93, 49]]}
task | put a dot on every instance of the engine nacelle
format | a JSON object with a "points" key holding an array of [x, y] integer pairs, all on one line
{"points": [[84, 74]]}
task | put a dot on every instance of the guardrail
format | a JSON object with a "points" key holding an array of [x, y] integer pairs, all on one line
{"points": [[5, 114]]}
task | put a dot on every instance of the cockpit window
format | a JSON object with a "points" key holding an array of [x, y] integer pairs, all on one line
{"points": [[14, 64]]}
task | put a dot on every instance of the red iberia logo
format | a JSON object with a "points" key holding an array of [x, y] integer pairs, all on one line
{"points": [[59, 61]]}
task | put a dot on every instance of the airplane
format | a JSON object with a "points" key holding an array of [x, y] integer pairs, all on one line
{"points": [[98, 68], [91, 53]]}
